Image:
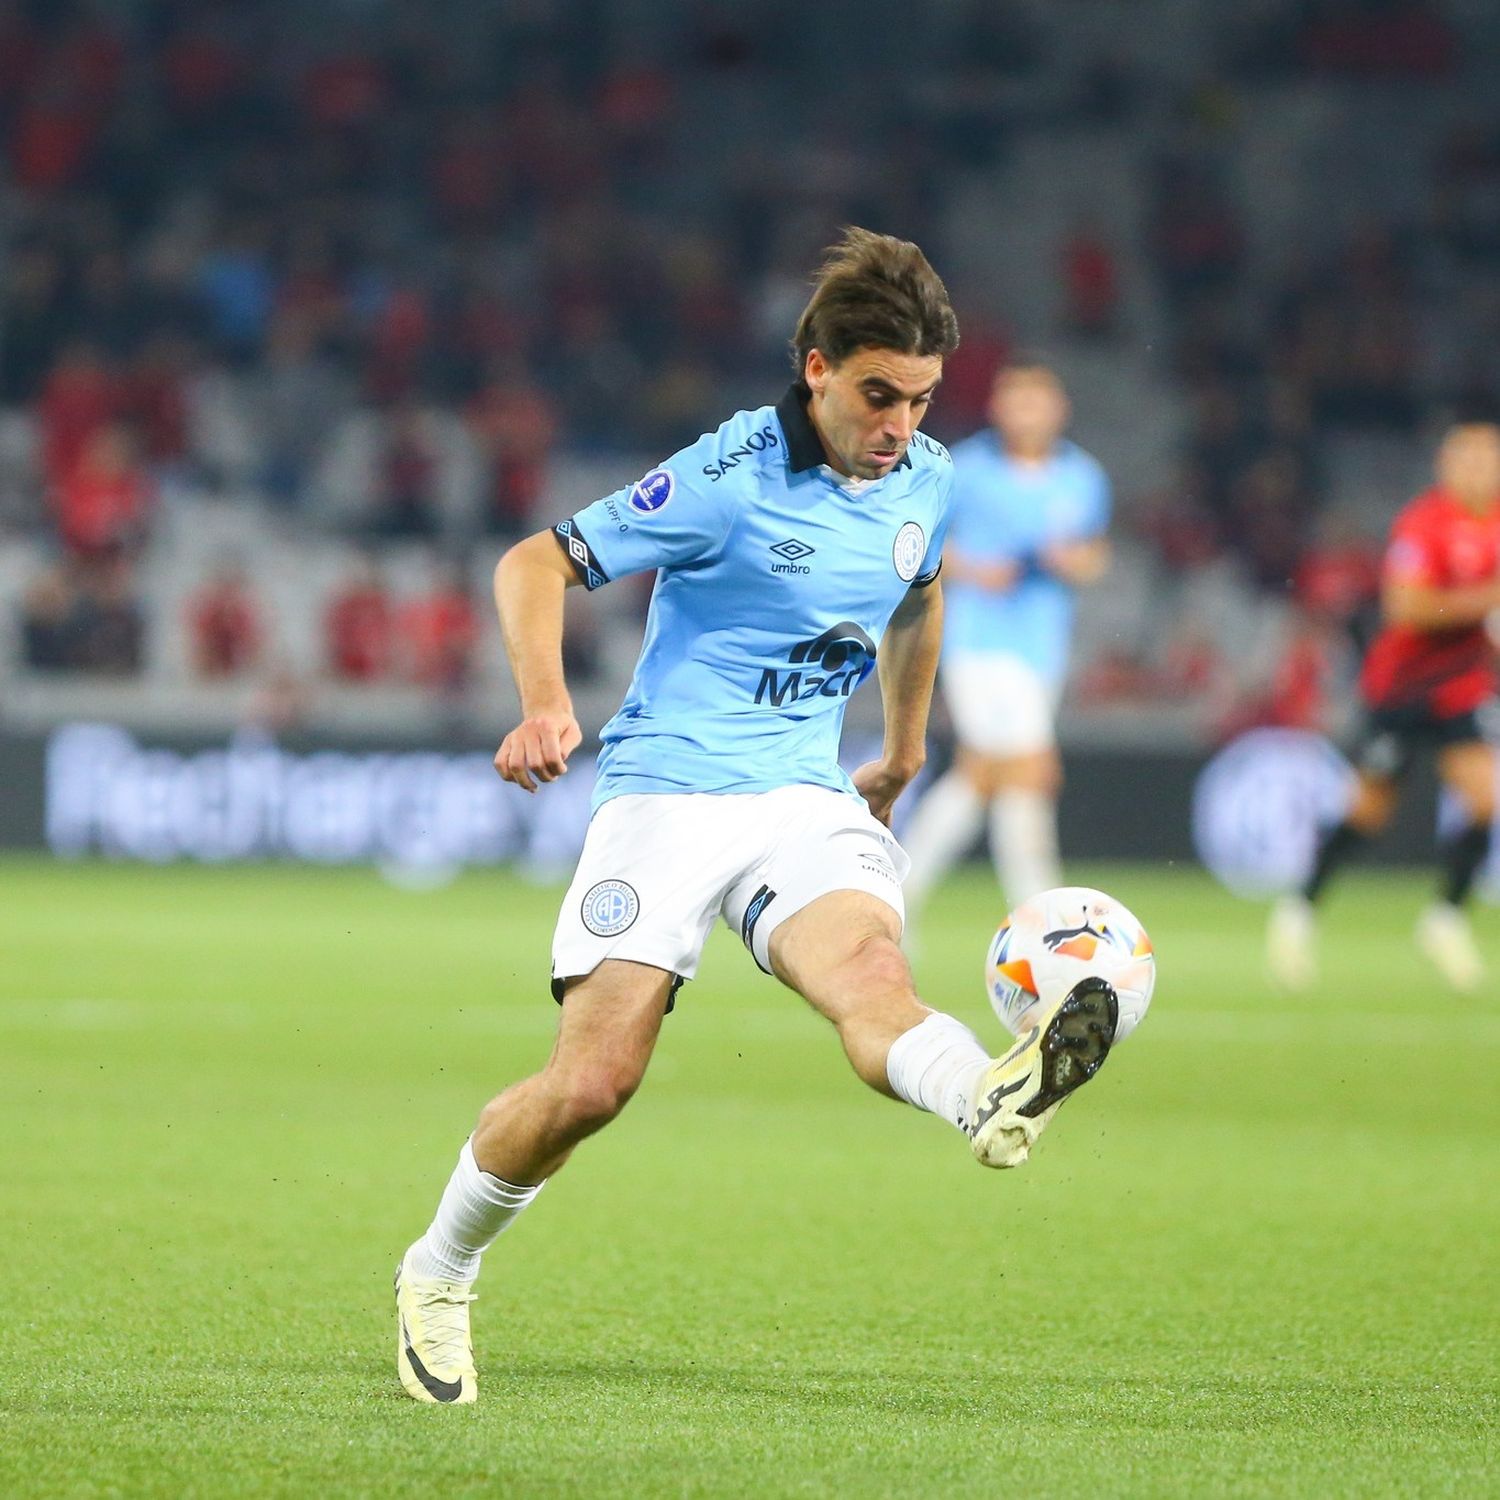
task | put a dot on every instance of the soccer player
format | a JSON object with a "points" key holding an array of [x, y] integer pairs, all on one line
{"points": [[1030, 511], [1426, 677], [796, 551]]}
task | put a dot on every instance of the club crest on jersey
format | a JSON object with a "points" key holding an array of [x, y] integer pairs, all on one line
{"points": [[609, 907], [652, 492], [910, 549]]}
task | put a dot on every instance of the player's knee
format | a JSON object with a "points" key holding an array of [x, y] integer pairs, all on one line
{"points": [[877, 962], [589, 1098]]}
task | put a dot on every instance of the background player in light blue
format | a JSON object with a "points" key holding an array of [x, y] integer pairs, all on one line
{"points": [[1030, 514], [796, 551]]}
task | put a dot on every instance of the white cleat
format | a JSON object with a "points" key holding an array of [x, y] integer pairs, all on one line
{"points": [[1291, 943], [1022, 1090], [434, 1353], [1444, 935]]}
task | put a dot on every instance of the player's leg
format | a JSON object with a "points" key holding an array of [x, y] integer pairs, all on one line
{"points": [[842, 954], [609, 1025], [1023, 822], [825, 917], [1467, 769], [948, 818], [647, 889], [1291, 933]]}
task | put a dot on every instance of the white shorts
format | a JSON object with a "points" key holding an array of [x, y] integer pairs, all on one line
{"points": [[999, 704], [657, 869]]}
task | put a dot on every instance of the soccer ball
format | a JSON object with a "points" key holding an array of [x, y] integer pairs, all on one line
{"points": [[1049, 943]]}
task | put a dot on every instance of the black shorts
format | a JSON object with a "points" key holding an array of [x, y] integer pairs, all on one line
{"points": [[1393, 737]]}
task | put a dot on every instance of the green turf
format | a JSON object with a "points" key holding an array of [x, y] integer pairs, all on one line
{"points": [[1257, 1257]]}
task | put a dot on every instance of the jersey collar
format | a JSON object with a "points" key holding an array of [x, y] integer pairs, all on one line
{"points": [[804, 448]]}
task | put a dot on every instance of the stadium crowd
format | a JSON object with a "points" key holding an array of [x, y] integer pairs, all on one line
{"points": [[380, 270]]}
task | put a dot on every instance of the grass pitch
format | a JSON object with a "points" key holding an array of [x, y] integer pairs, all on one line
{"points": [[1256, 1257]]}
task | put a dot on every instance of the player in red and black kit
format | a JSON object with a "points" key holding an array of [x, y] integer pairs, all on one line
{"points": [[1427, 679]]}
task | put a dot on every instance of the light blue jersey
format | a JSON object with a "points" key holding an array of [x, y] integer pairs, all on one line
{"points": [[1006, 511], [774, 585]]}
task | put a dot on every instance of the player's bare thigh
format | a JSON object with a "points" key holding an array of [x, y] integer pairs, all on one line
{"points": [[989, 775], [842, 954], [1467, 769]]}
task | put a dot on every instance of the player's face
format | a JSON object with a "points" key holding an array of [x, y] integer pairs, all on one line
{"points": [[1469, 464], [1029, 409], [867, 407]]}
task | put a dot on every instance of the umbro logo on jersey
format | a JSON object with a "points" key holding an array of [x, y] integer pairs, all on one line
{"points": [[791, 553]]}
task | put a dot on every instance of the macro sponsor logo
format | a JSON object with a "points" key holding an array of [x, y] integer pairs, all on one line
{"points": [[757, 442], [791, 552], [831, 665]]}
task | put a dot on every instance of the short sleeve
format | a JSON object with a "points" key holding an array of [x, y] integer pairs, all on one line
{"points": [[1098, 500], [660, 521], [932, 559]]}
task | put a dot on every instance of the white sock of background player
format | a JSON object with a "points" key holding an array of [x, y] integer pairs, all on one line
{"points": [[1023, 843], [942, 827]]}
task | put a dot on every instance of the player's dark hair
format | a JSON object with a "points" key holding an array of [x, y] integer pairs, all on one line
{"points": [[874, 291], [1028, 362]]}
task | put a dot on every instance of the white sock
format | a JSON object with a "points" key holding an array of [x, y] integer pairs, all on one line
{"points": [[476, 1207], [1023, 843], [942, 827], [937, 1066]]}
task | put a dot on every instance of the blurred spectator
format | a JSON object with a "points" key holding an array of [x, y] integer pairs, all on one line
{"points": [[962, 404], [359, 626], [104, 502], [297, 396], [224, 624], [112, 628], [49, 623], [1090, 283], [32, 317], [410, 471], [154, 396], [515, 426], [79, 397], [83, 616], [1376, 37], [438, 631], [1194, 235]]}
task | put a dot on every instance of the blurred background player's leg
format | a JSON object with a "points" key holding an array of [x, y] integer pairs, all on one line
{"points": [[944, 825], [1291, 951], [1006, 773], [1023, 825], [1467, 770]]}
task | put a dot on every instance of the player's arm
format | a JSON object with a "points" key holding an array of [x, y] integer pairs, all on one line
{"points": [[907, 665], [529, 583], [1425, 606], [994, 577], [1079, 562]]}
